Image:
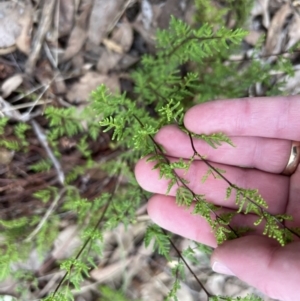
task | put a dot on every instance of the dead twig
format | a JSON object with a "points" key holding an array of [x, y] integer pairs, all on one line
{"points": [[50, 57], [44, 26], [25, 115], [46, 216], [22, 96], [6, 109], [26, 105], [43, 140], [127, 4]]}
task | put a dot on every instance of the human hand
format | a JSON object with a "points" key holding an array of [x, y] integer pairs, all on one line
{"points": [[262, 129]]}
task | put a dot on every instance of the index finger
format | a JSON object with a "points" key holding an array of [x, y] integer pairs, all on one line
{"points": [[270, 117]]}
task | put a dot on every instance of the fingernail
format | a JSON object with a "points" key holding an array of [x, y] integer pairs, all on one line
{"points": [[221, 268]]}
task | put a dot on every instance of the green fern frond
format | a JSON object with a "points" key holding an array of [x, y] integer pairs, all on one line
{"points": [[184, 197], [42, 165], [247, 298], [46, 194], [83, 147], [172, 295], [66, 121], [10, 144], [3, 123], [215, 139], [161, 241], [172, 111]]}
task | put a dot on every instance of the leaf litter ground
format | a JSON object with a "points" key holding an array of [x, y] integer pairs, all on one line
{"points": [[57, 52]]}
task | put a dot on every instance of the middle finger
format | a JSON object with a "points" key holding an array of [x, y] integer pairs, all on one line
{"points": [[273, 188], [265, 154]]}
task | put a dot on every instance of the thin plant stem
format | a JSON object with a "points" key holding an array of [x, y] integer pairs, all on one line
{"points": [[188, 266], [100, 220], [158, 147], [263, 210]]}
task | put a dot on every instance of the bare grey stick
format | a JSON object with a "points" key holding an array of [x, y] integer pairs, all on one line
{"points": [[43, 140]]}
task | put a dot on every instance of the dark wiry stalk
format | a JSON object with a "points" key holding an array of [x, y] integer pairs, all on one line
{"points": [[187, 265], [158, 147], [263, 210], [100, 220]]}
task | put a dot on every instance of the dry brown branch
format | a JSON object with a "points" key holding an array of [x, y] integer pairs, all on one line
{"points": [[44, 26]]}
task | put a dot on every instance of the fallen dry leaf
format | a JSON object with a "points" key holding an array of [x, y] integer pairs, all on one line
{"points": [[253, 37], [31, 263], [296, 6], [125, 243], [11, 84], [113, 46], [75, 43], [172, 7], [104, 15], [121, 41], [294, 31], [139, 261], [123, 36], [15, 27], [261, 7], [107, 61], [23, 41], [292, 86], [6, 156], [111, 272], [78, 63], [66, 243], [6, 70], [64, 17], [126, 62], [45, 74], [81, 90], [148, 35], [78, 35], [8, 286], [58, 85], [147, 14], [276, 34]]}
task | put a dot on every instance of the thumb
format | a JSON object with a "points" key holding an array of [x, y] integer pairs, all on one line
{"points": [[262, 263]]}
